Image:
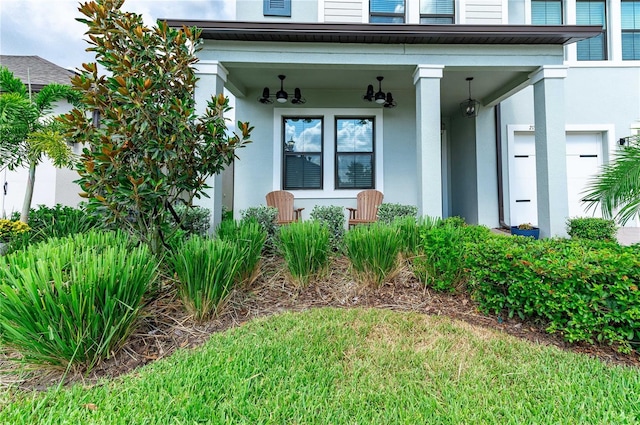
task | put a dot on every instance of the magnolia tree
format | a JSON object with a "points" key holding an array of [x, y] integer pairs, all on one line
{"points": [[146, 148]]}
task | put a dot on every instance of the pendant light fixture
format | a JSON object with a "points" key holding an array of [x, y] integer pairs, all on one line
{"points": [[380, 97], [281, 95], [469, 107]]}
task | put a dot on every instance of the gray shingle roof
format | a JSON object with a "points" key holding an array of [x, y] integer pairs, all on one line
{"points": [[40, 71]]}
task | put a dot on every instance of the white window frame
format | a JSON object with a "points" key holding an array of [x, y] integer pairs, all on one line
{"points": [[328, 149]]}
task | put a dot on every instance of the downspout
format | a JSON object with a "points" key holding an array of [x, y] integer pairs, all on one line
{"points": [[498, 129]]}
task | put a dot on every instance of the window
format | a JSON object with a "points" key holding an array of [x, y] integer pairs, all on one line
{"points": [[437, 12], [386, 11], [546, 12], [276, 7], [355, 162], [592, 12], [630, 30], [302, 151]]}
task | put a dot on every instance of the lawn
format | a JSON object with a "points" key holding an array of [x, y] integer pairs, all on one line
{"points": [[350, 366]]}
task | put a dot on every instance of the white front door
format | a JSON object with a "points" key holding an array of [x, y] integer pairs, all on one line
{"points": [[584, 159]]}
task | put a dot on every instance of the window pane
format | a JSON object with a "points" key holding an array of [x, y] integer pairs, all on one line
{"points": [[631, 46], [591, 12], [302, 135], [302, 149], [630, 15], [387, 6], [546, 12], [436, 21], [354, 135], [436, 7], [386, 20], [355, 171], [591, 49], [302, 171]]}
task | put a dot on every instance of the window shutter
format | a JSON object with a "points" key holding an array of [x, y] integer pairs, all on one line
{"points": [[277, 7]]}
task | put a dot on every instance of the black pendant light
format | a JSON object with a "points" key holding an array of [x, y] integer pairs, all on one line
{"points": [[469, 107]]}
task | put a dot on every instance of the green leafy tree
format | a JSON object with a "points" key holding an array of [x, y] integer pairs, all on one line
{"points": [[617, 188], [147, 149], [26, 133]]}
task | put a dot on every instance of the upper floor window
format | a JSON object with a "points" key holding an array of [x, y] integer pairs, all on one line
{"points": [[302, 153], [546, 12], [355, 161], [386, 11], [276, 7], [630, 29], [437, 12], [592, 12]]}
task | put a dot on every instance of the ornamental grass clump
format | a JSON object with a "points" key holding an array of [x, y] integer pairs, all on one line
{"points": [[374, 252], [305, 248], [250, 237], [73, 301], [206, 270]]}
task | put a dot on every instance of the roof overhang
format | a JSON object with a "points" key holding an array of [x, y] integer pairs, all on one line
{"points": [[390, 33]]}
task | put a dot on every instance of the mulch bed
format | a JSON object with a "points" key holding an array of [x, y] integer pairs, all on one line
{"points": [[166, 327]]}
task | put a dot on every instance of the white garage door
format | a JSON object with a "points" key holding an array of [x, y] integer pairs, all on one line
{"points": [[584, 158]]}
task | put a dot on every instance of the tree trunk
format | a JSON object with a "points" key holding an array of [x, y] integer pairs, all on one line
{"points": [[28, 196]]}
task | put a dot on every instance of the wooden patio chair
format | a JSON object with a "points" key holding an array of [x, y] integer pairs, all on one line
{"points": [[368, 202], [283, 201]]}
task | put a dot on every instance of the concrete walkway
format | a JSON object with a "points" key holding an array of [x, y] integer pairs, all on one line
{"points": [[626, 235]]}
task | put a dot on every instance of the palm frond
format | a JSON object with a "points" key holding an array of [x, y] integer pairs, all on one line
{"points": [[617, 186], [51, 142], [52, 93], [10, 84]]}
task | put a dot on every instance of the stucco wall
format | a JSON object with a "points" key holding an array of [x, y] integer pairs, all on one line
{"points": [[254, 170], [464, 196], [595, 97]]}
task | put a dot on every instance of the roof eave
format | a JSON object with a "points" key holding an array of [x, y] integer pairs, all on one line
{"points": [[390, 33]]}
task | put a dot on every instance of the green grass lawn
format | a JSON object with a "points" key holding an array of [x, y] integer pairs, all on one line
{"points": [[359, 366]]}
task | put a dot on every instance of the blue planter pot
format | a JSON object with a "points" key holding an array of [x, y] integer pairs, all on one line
{"points": [[531, 233]]}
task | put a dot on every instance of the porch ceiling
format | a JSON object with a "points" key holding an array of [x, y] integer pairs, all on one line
{"points": [[487, 85]]}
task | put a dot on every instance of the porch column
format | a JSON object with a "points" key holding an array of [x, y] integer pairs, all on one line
{"points": [[551, 150], [426, 78], [212, 77]]}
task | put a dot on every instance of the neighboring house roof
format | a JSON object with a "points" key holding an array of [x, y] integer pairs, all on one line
{"points": [[391, 33], [38, 71]]}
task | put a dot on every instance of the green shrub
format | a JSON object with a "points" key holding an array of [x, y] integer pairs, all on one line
{"points": [[305, 248], [585, 290], [333, 218], [195, 220], [250, 237], [454, 221], [266, 217], [55, 222], [73, 300], [206, 269], [592, 228], [387, 213], [373, 251], [440, 263]]}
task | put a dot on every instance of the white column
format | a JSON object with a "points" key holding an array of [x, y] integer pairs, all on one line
{"points": [[212, 77], [427, 78], [551, 149]]}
